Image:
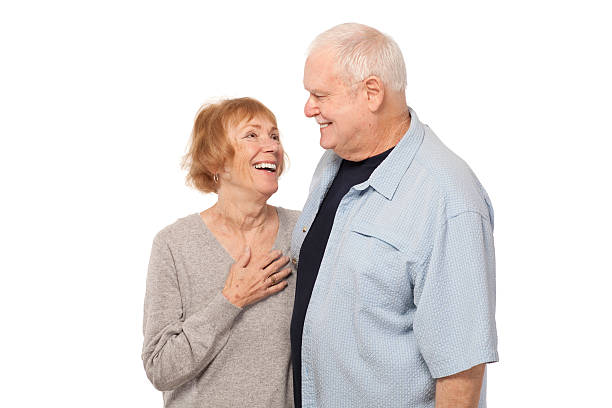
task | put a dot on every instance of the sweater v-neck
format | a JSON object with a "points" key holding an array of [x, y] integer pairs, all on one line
{"points": [[210, 236]]}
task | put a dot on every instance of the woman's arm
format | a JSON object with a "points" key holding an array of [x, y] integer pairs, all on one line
{"points": [[176, 348]]}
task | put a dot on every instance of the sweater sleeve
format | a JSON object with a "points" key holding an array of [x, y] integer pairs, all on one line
{"points": [[177, 348]]}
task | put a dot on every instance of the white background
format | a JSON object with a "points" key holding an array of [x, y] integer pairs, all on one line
{"points": [[97, 101]]}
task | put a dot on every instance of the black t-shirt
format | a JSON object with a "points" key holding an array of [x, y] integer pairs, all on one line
{"points": [[349, 174]]}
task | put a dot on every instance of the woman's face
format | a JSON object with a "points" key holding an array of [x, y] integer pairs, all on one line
{"points": [[258, 155]]}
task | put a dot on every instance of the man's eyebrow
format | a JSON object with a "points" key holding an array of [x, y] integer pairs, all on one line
{"points": [[315, 91]]}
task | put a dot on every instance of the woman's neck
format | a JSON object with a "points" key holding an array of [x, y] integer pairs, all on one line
{"points": [[241, 214], [237, 222]]}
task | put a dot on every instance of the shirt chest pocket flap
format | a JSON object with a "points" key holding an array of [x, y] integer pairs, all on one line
{"points": [[379, 261]]}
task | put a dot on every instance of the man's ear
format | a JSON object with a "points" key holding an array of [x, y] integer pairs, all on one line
{"points": [[375, 92]]}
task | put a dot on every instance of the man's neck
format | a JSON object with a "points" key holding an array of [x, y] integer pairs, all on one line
{"points": [[384, 135]]}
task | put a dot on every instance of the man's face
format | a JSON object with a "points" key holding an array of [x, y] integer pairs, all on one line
{"points": [[337, 107]]}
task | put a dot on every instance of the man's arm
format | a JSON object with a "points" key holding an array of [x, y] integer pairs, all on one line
{"points": [[461, 390]]}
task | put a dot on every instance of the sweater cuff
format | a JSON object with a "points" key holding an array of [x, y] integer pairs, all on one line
{"points": [[222, 312]]}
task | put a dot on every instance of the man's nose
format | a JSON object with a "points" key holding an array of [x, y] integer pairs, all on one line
{"points": [[310, 109]]}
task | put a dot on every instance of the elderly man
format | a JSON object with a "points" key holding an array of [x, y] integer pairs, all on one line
{"points": [[395, 296]]}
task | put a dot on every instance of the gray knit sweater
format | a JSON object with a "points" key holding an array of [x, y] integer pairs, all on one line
{"points": [[200, 349]]}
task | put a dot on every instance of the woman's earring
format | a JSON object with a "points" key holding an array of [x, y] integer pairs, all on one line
{"points": [[216, 178]]}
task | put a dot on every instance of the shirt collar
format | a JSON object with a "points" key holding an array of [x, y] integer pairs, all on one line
{"points": [[386, 177], [389, 173]]}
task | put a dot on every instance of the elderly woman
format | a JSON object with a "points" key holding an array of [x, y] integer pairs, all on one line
{"points": [[219, 290]]}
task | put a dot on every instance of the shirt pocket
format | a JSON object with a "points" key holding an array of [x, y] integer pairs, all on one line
{"points": [[379, 263]]}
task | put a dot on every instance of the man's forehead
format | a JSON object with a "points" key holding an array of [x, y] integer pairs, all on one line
{"points": [[320, 60], [319, 71]]}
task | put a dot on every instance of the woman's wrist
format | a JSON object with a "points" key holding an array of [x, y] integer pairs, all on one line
{"points": [[233, 298]]}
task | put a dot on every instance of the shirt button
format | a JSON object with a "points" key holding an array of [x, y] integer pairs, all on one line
{"points": [[294, 261], [304, 229]]}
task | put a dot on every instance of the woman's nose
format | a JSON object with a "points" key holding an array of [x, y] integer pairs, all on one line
{"points": [[270, 145]]}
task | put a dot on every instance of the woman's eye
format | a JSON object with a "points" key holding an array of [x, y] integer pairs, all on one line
{"points": [[275, 137], [250, 135]]}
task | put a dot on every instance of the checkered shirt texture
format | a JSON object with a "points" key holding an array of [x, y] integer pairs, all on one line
{"points": [[406, 289]]}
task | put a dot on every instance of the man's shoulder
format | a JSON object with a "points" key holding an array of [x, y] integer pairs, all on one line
{"points": [[449, 179], [445, 168], [328, 160]]}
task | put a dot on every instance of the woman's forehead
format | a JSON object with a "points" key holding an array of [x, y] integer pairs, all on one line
{"points": [[259, 122]]}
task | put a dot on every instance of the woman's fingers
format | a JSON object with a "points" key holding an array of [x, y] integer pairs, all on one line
{"points": [[237, 269], [270, 290], [247, 284], [269, 258], [275, 278], [244, 258], [276, 265], [277, 282]]}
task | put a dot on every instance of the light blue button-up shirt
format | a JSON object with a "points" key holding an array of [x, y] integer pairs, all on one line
{"points": [[406, 289]]}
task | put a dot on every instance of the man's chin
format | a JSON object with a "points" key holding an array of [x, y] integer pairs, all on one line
{"points": [[326, 143]]}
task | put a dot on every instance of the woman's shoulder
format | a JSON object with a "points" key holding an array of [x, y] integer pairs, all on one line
{"points": [[286, 220], [289, 216], [180, 229]]}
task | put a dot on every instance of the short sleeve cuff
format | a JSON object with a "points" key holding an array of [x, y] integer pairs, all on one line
{"points": [[441, 369]]}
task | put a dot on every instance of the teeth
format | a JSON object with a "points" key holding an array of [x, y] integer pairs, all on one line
{"points": [[323, 125], [270, 166]]}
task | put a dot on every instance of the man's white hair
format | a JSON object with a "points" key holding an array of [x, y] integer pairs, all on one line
{"points": [[362, 51]]}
